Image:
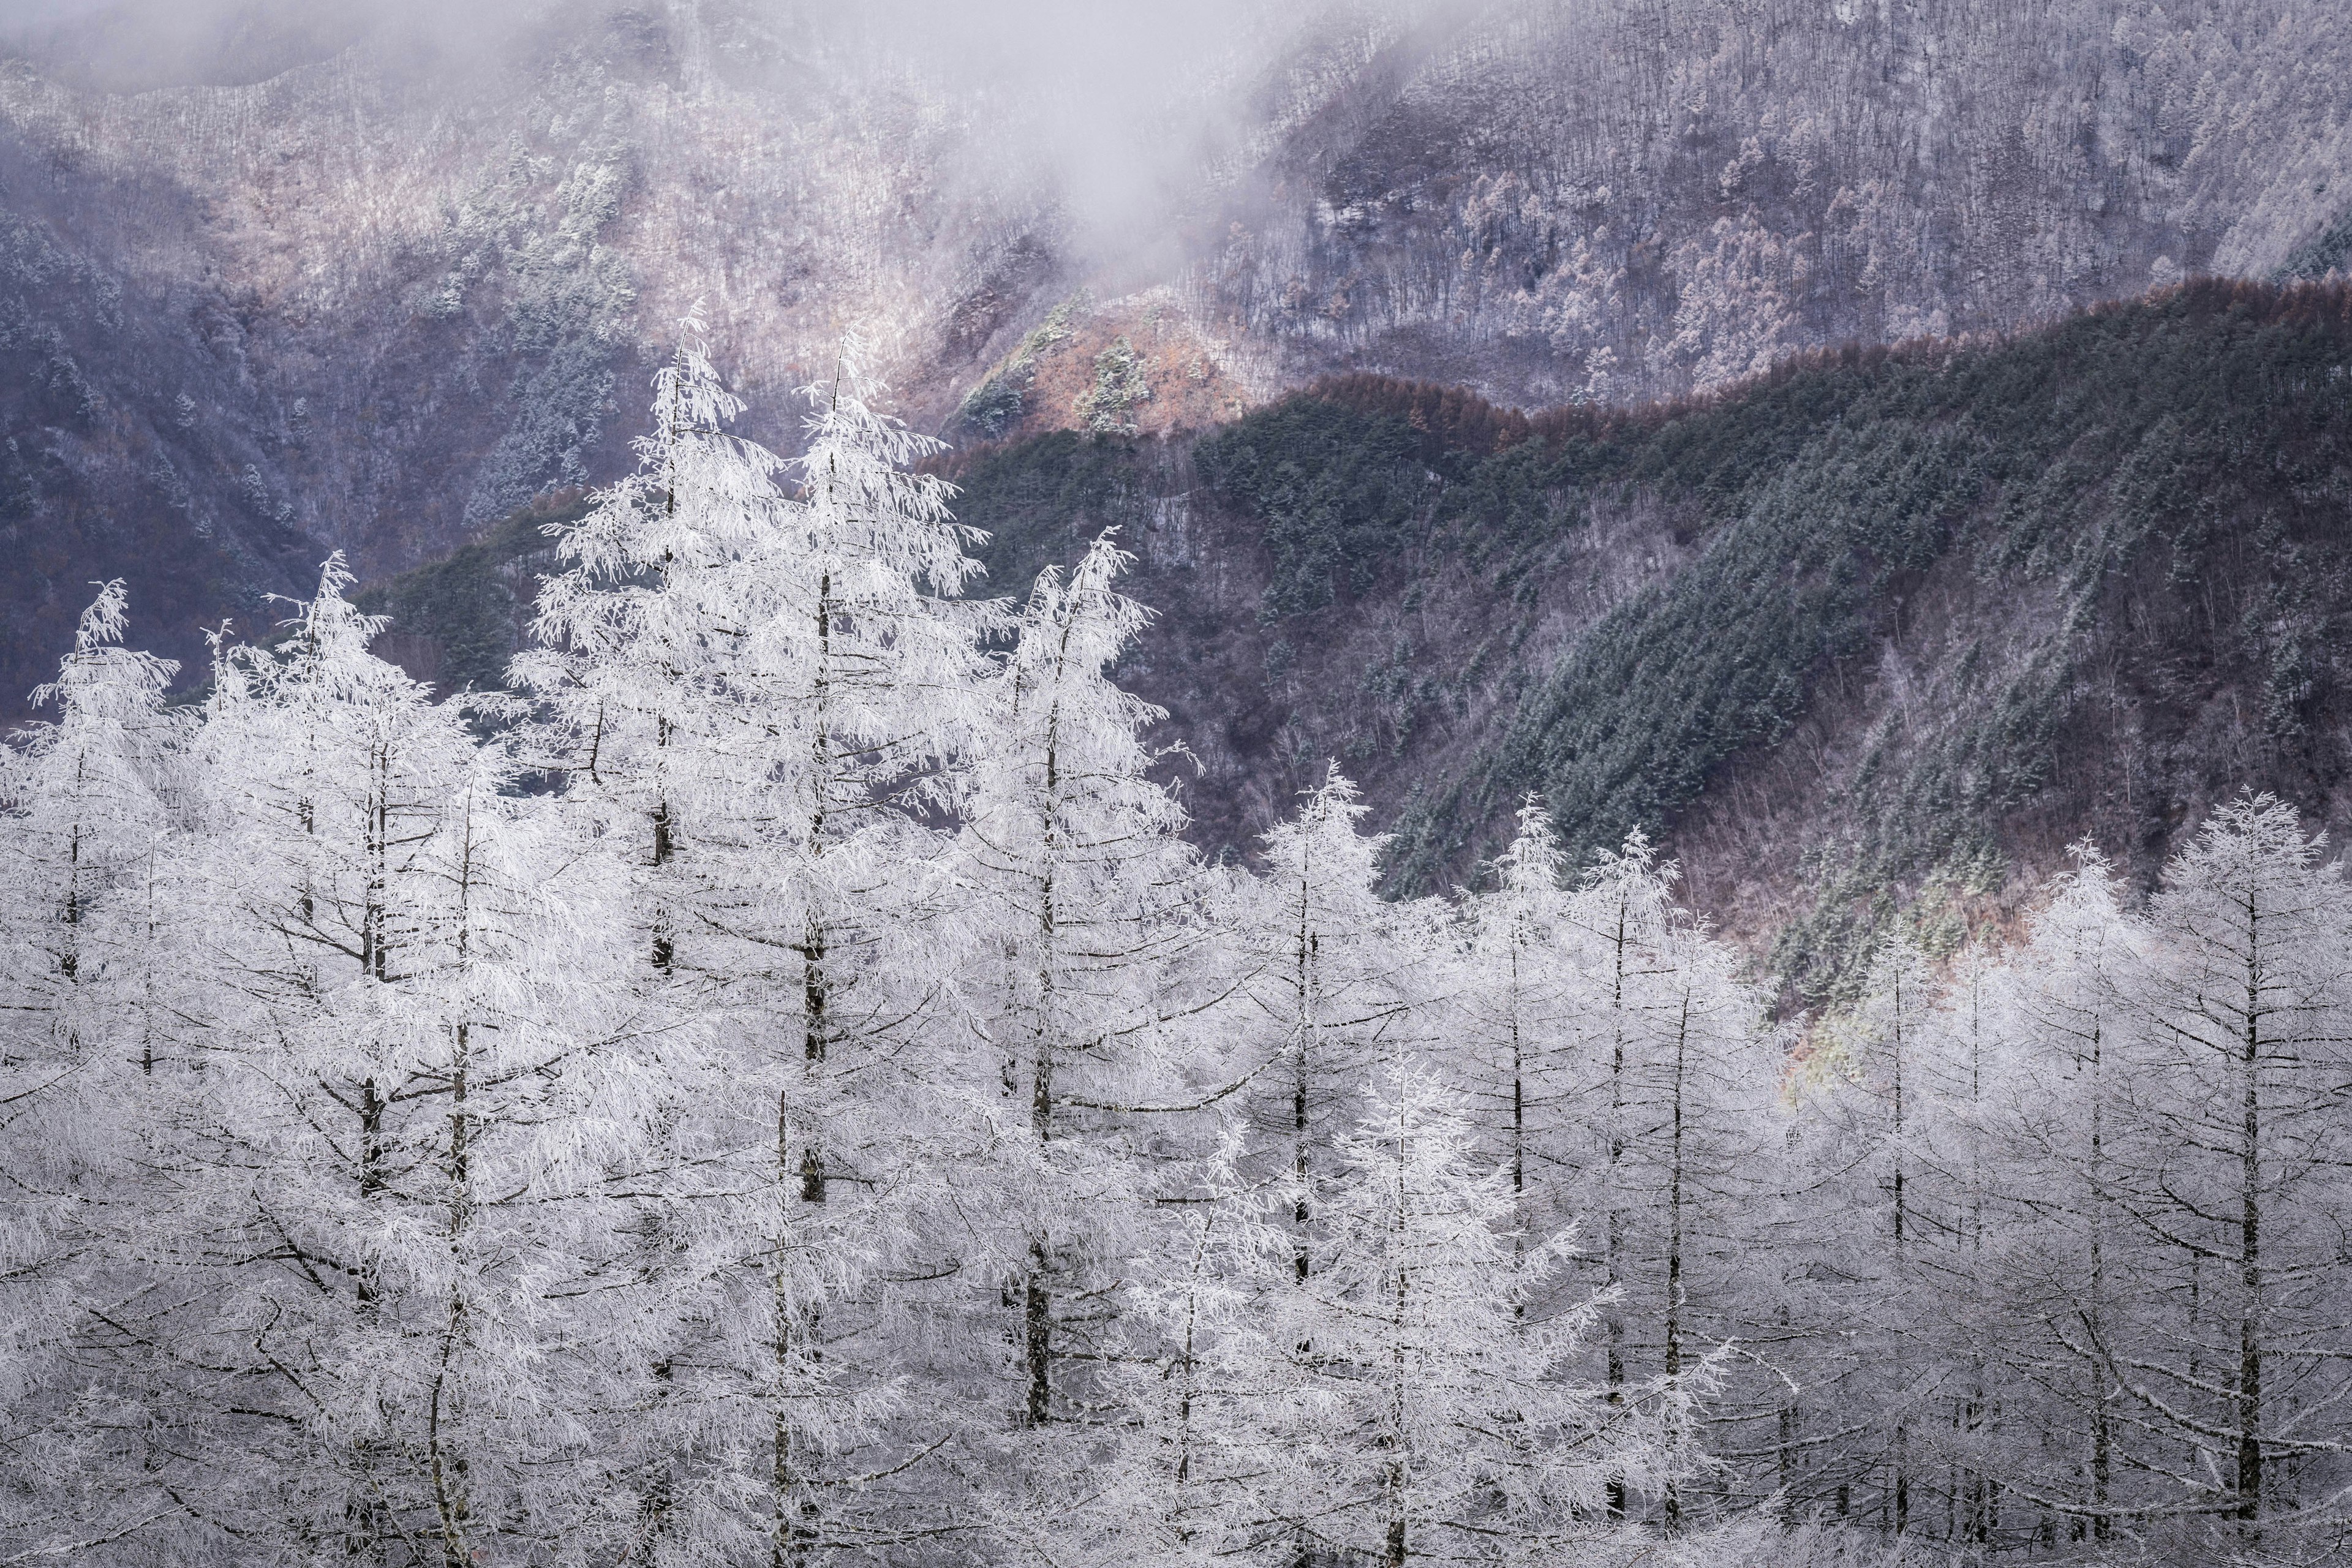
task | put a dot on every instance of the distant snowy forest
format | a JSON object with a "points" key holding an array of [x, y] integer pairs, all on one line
{"points": [[776, 1086]]}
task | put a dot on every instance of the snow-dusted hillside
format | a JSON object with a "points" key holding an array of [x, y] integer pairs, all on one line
{"points": [[782, 1092], [339, 289]]}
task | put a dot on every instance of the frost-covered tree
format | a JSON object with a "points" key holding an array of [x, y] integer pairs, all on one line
{"points": [[1624, 912], [1709, 1136], [1202, 1446], [1332, 973], [2234, 1164], [756, 694], [1635, 1091], [782, 1091], [2035, 1296], [1418, 1413], [1520, 1000], [374, 1179], [90, 964], [1086, 906], [1887, 1057], [85, 791]]}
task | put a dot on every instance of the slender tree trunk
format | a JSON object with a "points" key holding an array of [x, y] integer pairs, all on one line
{"points": [[1037, 1304], [663, 951], [69, 953], [1298, 1160], [784, 1544], [1309, 948], [2250, 1344], [147, 980], [816, 985], [1518, 1133], [780, 1312], [788, 1542], [1785, 1447], [305, 814], [371, 1174], [1674, 1349], [366, 1517], [2102, 1438], [371, 955], [663, 946], [363, 1516], [1978, 1521], [788, 1545], [1037, 1300], [1180, 1519], [815, 999], [1901, 1284], [1038, 1331], [1615, 1491], [374, 964], [447, 1467], [1400, 1378]]}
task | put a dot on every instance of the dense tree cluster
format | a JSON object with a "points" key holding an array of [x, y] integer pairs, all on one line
{"points": [[776, 1086]]}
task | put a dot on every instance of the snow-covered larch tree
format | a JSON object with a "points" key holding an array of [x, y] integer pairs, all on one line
{"points": [[761, 678], [400, 1060], [1625, 909], [1519, 1003], [1084, 988], [1334, 974], [1418, 1413], [1189, 1476], [85, 794], [1889, 1055], [2234, 1160], [2037, 1294], [91, 964]]}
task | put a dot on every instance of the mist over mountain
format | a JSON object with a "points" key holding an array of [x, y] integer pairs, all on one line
{"points": [[1497, 782], [371, 281]]}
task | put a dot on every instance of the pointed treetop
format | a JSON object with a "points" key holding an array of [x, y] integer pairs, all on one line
{"points": [[101, 677], [1534, 861], [1633, 862], [1322, 842], [102, 623]]}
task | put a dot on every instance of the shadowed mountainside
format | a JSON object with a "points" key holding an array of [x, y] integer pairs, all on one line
{"points": [[1872, 637], [290, 290]]}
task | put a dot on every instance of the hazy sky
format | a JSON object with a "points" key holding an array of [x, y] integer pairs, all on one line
{"points": [[130, 45], [1117, 98], [1025, 42], [1120, 99]]}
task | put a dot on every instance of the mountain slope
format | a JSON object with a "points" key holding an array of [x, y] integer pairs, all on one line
{"points": [[1873, 637], [1883, 631], [356, 287]]}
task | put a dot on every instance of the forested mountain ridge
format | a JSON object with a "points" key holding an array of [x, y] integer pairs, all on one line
{"points": [[777, 1088], [1878, 634], [1878, 627], [292, 289]]}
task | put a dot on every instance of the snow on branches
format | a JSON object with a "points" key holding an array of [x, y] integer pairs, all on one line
{"points": [[777, 1088]]}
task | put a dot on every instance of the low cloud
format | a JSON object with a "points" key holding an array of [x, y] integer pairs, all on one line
{"points": [[1119, 105]]}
